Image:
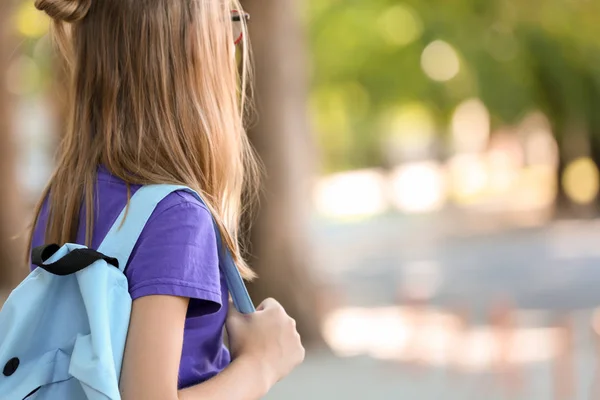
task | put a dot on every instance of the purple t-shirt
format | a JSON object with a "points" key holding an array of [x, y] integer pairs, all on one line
{"points": [[175, 255]]}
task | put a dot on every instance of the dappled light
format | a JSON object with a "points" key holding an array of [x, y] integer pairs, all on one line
{"points": [[580, 180], [356, 194], [393, 334], [400, 25], [440, 61], [30, 22], [471, 126], [418, 187]]}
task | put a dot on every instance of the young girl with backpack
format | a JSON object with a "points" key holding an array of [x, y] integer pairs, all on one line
{"points": [[155, 97]]}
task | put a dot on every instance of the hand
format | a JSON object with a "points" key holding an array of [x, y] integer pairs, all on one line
{"points": [[267, 338]]}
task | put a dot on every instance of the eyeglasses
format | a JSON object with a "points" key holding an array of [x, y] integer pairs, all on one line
{"points": [[238, 19]]}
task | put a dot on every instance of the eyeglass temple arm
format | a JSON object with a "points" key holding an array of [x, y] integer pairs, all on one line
{"points": [[238, 17]]}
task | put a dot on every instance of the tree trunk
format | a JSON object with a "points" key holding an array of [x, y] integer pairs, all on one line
{"points": [[595, 155], [562, 203], [280, 237], [11, 249]]}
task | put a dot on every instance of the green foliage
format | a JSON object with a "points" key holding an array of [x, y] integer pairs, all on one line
{"points": [[515, 56]]}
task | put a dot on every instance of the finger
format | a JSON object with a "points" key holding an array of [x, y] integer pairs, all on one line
{"points": [[267, 304]]}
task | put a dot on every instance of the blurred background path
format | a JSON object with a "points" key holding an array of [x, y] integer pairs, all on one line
{"points": [[549, 273]]}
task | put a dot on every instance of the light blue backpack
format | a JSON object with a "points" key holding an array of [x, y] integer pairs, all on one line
{"points": [[63, 329]]}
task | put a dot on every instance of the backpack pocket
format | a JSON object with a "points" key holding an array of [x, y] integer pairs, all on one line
{"points": [[69, 389], [31, 376]]}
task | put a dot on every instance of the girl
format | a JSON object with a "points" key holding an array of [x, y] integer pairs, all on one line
{"points": [[154, 97]]}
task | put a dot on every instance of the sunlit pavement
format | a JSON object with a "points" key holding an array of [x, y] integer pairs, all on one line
{"points": [[426, 307], [534, 370], [324, 377]]}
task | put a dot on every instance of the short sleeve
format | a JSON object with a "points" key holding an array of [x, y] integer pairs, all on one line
{"points": [[176, 253]]}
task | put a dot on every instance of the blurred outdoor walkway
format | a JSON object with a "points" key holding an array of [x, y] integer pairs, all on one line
{"points": [[328, 378], [546, 272]]}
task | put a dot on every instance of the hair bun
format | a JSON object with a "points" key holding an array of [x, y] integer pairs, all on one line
{"points": [[64, 10]]}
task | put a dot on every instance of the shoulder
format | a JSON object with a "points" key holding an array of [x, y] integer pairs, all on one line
{"points": [[181, 205], [177, 254], [182, 220]]}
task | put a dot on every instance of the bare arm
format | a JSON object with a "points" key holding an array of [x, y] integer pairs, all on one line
{"points": [[239, 381], [153, 353]]}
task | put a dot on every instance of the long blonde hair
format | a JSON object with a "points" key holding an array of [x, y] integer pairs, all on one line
{"points": [[154, 95]]}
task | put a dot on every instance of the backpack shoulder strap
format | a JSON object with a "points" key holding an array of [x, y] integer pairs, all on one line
{"points": [[124, 234]]}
